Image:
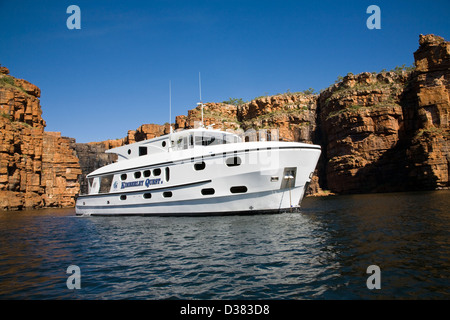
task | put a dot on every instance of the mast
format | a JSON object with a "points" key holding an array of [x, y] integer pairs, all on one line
{"points": [[170, 106], [170, 117], [200, 93]]}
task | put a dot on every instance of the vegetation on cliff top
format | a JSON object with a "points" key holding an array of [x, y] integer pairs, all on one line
{"points": [[234, 101], [8, 82]]}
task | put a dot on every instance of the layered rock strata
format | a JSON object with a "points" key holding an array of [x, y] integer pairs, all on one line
{"points": [[362, 130], [37, 168], [427, 107]]}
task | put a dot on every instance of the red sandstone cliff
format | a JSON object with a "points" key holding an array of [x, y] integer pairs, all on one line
{"points": [[362, 126], [427, 109], [37, 169]]}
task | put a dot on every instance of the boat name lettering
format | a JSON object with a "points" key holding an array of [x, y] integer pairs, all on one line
{"points": [[150, 182], [140, 183], [132, 184]]}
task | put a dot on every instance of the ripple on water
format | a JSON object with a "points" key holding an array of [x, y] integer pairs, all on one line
{"points": [[321, 253]]}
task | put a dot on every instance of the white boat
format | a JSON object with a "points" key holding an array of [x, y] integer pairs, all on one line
{"points": [[201, 172]]}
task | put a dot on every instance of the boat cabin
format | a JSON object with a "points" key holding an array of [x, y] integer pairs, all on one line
{"points": [[175, 141]]}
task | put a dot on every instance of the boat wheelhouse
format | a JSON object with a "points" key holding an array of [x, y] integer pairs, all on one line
{"points": [[202, 172]]}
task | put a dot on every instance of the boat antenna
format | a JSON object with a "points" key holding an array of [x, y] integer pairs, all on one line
{"points": [[170, 106], [200, 93]]}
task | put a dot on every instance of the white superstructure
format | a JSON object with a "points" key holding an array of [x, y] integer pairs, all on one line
{"points": [[201, 172]]}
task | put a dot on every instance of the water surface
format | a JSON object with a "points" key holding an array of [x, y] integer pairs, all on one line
{"points": [[320, 253]]}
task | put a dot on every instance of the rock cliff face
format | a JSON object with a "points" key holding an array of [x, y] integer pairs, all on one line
{"points": [[362, 131], [60, 171], [37, 169], [427, 107], [92, 156], [389, 131], [221, 116]]}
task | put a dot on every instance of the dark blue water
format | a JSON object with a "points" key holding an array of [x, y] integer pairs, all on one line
{"points": [[320, 253]]}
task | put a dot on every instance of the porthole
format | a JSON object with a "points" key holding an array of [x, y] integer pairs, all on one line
{"points": [[167, 174], [147, 195], [208, 191], [233, 161], [147, 173], [238, 189], [199, 166], [123, 176], [163, 143], [137, 174], [129, 151], [156, 172], [167, 194], [123, 197]]}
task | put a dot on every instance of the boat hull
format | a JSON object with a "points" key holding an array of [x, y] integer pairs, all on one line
{"points": [[255, 203], [271, 180]]}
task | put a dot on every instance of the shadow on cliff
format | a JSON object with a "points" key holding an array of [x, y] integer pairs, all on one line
{"points": [[393, 172], [402, 167]]}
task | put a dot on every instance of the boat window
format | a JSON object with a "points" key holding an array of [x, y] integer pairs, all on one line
{"points": [[199, 166], [204, 140], [90, 184], [123, 176], [167, 194], [163, 143], [129, 151], [156, 172], [238, 189], [182, 143], [217, 138], [147, 173], [208, 191], [123, 197], [142, 151], [167, 174], [137, 174], [233, 162], [147, 195], [105, 183]]}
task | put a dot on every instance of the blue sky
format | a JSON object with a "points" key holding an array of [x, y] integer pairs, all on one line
{"points": [[113, 74]]}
